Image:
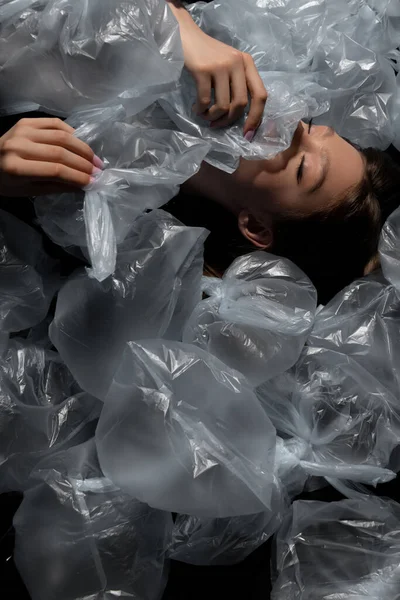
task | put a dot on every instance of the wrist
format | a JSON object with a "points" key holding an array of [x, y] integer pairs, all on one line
{"points": [[180, 13]]}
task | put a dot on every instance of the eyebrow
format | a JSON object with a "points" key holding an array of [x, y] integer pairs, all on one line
{"points": [[324, 172]]}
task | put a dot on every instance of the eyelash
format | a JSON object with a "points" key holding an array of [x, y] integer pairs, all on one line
{"points": [[301, 166]]}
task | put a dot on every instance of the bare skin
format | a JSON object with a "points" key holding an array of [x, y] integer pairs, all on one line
{"points": [[42, 156], [314, 173], [231, 74]]}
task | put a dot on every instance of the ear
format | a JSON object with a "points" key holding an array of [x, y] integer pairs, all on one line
{"points": [[259, 234]]}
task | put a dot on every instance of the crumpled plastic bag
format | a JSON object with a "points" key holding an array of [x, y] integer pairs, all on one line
{"points": [[42, 410], [64, 55], [183, 432], [389, 249], [333, 61], [200, 541], [27, 283], [347, 549], [155, 287], [339, 403], [257, 317], [144, 170], [80, 537], [292, 95]]}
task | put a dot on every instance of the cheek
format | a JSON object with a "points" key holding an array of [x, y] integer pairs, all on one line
{"points": [[274, 193]]}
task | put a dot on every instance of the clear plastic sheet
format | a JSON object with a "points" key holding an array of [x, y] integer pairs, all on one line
{"points": [[257, 317], [78, 537], [65, 55], [27, 283], [152, 292], [348, 549], [183, 432], [144, 170], [42, 410]]}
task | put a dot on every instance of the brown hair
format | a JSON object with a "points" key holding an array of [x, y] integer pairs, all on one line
{"points": [[333, 247]]}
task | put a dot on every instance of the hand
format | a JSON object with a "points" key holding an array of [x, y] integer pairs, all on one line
{"points": [[231, 73], [41, 156]]}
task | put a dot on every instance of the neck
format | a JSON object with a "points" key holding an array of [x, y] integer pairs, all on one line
{"points": [[214, 184]]}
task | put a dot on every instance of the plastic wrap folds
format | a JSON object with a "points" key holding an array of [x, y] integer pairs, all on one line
{"points": [[340, 402], [257, 317], [152, 292], [389, 250], [80, 537], [27, 280], [201, 541], [348, 549], [65, 55], [144, 169], [334, 61], [42, 410], [183, 432]]}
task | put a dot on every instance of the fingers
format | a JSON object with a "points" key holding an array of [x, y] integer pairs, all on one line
{"points": [[222, 92], [232, 86], [46, 123], [239, 99], [49, 171], [203, 84], [63, 140], [28, 150], [258, 95]]}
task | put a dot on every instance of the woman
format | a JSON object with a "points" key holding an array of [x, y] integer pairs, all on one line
{"points": [[321, 203]]}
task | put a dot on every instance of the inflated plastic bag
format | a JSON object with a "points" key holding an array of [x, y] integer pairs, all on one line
{"points": [[80, 537], [340, 411], [153, 290], [258, 316], [26, 282], [347, 549], [200, 541], [183, 432], [42, 410], [362, 322], [64, 55], [144, 169]]}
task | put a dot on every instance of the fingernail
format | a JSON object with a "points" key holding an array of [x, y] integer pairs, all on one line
{"points": [[92, 180], [96, 171], [250, 135], [98, 162]]}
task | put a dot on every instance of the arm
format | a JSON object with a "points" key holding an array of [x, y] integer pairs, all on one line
{"points": [[42, 156], [232, 74]]}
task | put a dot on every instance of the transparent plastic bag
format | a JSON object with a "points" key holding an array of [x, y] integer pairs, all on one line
{"points": [[228, 541], [64, 55], [347, 549], [183, 432], [154, 288], [389, 249], [27, 283], [80, 537], [144, 169], [42, 410], [333, 61], [342, 417], [257, 318]]}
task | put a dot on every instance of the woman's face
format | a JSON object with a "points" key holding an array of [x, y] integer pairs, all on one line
{"points": [[312, 175]]}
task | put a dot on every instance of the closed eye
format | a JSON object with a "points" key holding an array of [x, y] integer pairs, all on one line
{"points": [[300, 169]]}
